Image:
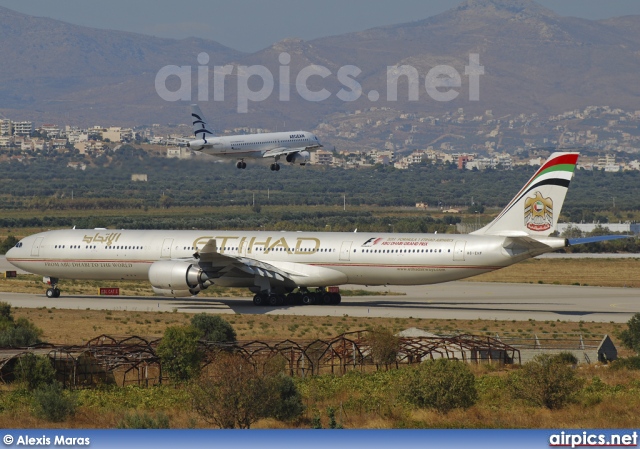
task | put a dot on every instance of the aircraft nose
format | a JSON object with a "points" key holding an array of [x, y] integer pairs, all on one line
{"points": [[11, 253], [15, 251]]}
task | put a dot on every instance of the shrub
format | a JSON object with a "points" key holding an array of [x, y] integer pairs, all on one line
{"points": [[443, 385], [7, 244], [566, 358], [16, 333], [5, 311], [632, 363], [384, 346], [144, 421], [545, 381], [286, 403], [237, 395], [35, 371], [234, 396], [631, 336], [179, 353], [53, 403], [213, 328]]}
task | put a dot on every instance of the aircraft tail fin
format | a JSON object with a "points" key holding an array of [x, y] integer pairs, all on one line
{"points": [[535, 209], [200, 127]]}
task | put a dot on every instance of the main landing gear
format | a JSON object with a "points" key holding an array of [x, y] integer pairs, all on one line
{"points": [[275, 166], [53, 291], [303, 297], [241, 164]]}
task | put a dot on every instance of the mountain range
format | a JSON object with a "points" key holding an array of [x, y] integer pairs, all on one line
{"points": [[534, 61]]}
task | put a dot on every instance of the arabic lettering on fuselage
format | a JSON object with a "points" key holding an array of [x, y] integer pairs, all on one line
{"points": [[107, 239]]}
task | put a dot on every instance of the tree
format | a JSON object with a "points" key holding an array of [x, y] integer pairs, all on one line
{"points": [[179, 353], [236, 394], [213, 328], [545, 381], [631, 336], [443, 385], [384, 346]]}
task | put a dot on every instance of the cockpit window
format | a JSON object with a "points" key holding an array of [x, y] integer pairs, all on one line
{"points": [[19, 245]]}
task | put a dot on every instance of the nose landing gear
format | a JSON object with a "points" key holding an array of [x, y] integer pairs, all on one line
{"points": [[53, 291]]}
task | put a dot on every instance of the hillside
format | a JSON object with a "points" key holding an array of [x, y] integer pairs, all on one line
{"points": [[534, 61]]}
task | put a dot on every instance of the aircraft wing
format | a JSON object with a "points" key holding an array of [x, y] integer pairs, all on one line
{"points": [[282, 151], [212, 261]]}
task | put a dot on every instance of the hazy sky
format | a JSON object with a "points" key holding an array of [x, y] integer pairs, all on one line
{"points": [[250, 25]]}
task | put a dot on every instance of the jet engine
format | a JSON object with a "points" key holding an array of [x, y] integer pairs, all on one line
{"points": [[299, 157], [176, 275]]}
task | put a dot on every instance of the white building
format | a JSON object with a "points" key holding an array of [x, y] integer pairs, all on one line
{"points": [[321, 157], [6, 128], [23, 128]]}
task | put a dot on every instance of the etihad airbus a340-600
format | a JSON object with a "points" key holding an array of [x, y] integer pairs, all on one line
{"points": [[295, 267], [293, 146]]}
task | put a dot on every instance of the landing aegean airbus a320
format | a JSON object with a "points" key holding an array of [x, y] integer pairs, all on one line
{"points": [[295, 267], [293, 146]]}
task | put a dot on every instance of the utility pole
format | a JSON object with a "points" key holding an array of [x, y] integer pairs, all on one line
{"points": [[344, 202]]}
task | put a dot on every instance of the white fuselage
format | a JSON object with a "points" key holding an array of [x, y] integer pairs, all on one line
{"points": [[316, 259], [255, 145]]}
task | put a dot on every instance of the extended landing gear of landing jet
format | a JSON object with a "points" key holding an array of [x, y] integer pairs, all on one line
{"points": [[275, 167], [241, 164]]}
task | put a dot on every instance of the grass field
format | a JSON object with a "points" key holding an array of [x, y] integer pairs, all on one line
{"points": [[77, 326], [594, 272]]}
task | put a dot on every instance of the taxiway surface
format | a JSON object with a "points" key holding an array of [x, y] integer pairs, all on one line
{"points": [[453, 300]]}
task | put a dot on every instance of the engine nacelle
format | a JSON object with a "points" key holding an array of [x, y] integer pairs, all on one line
{"points": [[177, 275], [173, 293], [299, 157]]}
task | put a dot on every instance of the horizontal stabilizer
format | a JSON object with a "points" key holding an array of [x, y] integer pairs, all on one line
{"points": [[598, 238]]}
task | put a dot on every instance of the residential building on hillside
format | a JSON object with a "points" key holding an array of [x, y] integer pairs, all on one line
{"points": [[22, 128]]}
